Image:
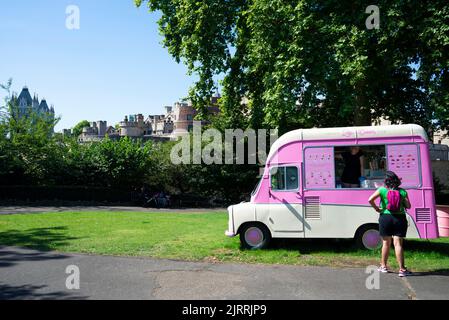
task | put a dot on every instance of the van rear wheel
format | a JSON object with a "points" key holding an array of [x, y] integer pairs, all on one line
{"points": [[255, 236], [368, 237]]}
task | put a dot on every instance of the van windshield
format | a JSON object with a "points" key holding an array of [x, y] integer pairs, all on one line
{"points": [[256, 187]]}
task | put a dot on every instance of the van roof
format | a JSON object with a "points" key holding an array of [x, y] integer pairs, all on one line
{"points": [[342, 133]]}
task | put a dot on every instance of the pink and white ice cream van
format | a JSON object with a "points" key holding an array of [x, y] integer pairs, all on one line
{"points": [[301, 194]]}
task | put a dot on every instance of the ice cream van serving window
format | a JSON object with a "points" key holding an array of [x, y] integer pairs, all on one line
{"points": [[284, 178], [360, 167]]}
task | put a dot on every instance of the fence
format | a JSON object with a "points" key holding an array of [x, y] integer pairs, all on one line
{"points": [[79, 195], [22, 194]]}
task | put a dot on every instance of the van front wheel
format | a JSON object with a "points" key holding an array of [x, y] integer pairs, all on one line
{"points": [[255, 236]]}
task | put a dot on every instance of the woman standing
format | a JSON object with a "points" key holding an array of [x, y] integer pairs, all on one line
{"points": [[392, 220]]}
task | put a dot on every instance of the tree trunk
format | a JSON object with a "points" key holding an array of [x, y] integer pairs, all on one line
{"points": [[362, 116], [362, 110]]}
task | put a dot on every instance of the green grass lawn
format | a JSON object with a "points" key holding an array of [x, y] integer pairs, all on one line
{"points": [[192, 236]]}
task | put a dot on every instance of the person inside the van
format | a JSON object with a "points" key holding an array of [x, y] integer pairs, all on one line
{"points": [[354, 167], [392, 220]]}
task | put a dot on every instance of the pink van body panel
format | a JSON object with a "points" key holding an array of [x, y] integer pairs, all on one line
{"points": [[423, 210]]}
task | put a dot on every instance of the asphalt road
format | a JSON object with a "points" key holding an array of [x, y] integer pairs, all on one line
{"points": [[29, 274]]}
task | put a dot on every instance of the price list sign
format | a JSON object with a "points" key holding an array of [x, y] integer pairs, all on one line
{"points": [[403, 160]]}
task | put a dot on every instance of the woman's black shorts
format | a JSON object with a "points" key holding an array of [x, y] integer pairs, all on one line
{"points": [[393, 225]]}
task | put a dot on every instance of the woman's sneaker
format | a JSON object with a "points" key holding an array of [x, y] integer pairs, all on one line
{"points": [[404, 273], [383, 269]]}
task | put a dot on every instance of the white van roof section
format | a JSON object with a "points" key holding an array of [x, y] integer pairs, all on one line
{"points": [[403, 130]]}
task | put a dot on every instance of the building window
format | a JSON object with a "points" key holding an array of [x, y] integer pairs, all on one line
{"points": [[189, 117], [284, 178]]}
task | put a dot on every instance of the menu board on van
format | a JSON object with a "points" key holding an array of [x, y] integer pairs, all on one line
{"points": [[319, 167], [403, 159]]}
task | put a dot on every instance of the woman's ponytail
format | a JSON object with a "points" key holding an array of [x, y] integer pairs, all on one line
{"points": [[392, 181]]}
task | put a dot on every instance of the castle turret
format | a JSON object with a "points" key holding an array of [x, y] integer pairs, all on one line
{"points": [[43, 107], [35, 104], [25, 101], [140, 119], [102, 126]]}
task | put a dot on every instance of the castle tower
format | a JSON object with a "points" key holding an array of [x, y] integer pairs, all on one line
{"points": [[43, 107], [25, 101], [140, 119], [102, 126]]}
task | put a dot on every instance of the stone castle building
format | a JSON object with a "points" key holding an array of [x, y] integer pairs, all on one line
{"points": [[97, 131], [177, 121]]}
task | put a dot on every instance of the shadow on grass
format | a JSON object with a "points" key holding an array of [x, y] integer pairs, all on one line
{"points": [[308, 246], [44, 239], [427, 246], [435, 250], [41, 239], [26, 292]]}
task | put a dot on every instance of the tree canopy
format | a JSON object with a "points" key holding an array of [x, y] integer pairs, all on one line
{"points": [[313, 63], [78, 128]]}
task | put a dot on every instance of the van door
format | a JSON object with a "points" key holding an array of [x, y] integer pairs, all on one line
{"points": [[285, 214], [318, 175]]}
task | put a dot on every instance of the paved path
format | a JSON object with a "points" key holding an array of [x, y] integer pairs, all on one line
{"points": [[28, 274], [41, 209]]}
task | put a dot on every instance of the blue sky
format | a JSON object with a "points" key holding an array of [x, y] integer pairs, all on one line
{"points": [[112, 66]]}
